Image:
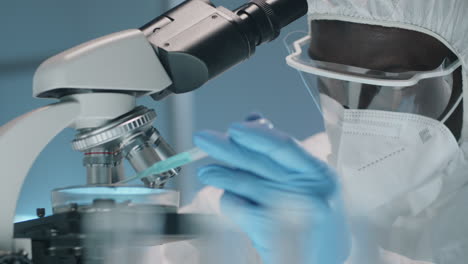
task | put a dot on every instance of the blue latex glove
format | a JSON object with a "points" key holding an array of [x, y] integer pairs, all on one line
{"points": [[287, 201]]}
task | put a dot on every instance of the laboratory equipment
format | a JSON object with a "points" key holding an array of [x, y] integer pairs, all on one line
{"points": [[96, 85]]}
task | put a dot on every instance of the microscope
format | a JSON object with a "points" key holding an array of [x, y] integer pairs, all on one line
{"points": [[96, 85]]}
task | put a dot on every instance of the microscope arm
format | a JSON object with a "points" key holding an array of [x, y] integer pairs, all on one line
{"points": [[21, 141]]}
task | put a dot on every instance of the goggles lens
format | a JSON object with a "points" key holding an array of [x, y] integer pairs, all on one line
{"points": [[426, 93]]}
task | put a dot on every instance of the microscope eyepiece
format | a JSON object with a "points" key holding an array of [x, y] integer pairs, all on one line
{"points": [[268, 17]]}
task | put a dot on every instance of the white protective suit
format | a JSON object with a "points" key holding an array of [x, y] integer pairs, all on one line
{"points": [[435, 228]]}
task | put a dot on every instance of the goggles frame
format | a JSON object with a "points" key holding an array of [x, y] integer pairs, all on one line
{"points": [[297, 61]]}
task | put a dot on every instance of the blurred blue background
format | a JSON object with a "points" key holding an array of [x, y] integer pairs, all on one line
{"points": [[32, 31]]}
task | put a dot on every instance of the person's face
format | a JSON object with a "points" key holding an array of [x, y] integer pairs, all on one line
{"points": [[383, 49]]}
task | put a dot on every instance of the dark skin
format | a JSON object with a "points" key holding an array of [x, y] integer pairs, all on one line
{"points": [[384, 49]]}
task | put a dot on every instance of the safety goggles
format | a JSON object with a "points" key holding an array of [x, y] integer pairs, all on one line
{"points": [[427, 93]]}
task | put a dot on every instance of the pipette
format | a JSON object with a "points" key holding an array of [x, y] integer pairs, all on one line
{"points": [[173, 162]]}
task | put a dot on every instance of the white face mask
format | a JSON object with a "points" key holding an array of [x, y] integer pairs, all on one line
{"points": [[384, 155]]}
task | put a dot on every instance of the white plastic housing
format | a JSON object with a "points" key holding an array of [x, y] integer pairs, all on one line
{"points": [[123, 61], [21, 141]]}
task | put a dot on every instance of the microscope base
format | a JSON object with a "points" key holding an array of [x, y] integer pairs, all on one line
{"points": [[86, 237]]}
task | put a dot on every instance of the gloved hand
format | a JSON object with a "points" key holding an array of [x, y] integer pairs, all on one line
{"points": [[287, 201]]}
